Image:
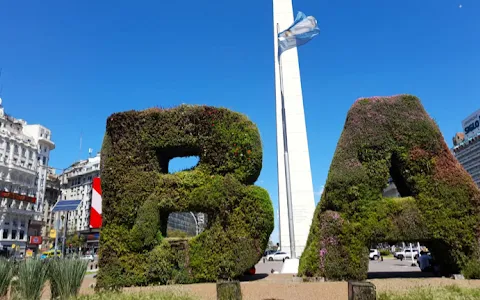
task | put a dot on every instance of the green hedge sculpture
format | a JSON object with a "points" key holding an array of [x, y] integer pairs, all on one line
{"points": [[392, 137], [139, 194]]}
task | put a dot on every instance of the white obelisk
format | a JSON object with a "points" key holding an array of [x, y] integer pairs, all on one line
{"points": [[300, 175]]}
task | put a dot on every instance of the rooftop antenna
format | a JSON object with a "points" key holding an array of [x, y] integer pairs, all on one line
{"points": [[80, 150], [1, 85]]}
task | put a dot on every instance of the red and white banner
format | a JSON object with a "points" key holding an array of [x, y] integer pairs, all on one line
{"points": [[96, 209]]}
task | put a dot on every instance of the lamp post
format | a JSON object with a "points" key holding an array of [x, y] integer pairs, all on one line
{"points": [[56, 227], [64, 232]]}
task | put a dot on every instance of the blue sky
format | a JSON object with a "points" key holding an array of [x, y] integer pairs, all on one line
{"points": [[70, 64]]}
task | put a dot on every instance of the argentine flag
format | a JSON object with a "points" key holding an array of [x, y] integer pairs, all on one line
{"points": [[301, 32]]}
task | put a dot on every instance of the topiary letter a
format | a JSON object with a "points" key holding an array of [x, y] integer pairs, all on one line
{"points": [[392, 137]]}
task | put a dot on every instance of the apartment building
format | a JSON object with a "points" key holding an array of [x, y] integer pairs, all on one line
{"points": [[24, 155]]}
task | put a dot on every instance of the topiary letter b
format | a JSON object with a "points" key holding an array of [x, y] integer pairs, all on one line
{"points": [[139, 194]]}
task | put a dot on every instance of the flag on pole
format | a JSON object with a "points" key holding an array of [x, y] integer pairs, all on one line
{"points": [[303, 30]]}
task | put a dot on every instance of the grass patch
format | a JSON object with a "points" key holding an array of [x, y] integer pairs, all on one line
{"points": [[451, 292], [138, 296]]}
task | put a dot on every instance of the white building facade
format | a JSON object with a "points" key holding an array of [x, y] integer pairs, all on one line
{"points": [[52, 195], [24, 155], [76, 184]]}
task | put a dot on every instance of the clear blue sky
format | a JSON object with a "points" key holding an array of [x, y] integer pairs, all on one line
{"points": [[69, 64]]}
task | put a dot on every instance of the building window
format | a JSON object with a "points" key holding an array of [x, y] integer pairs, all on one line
{"points": [[15, 150], [24, 152], [5, 234], [30, 155], [22, 223], [14, 223], [14, 234], [44, 161], [22, 234]]}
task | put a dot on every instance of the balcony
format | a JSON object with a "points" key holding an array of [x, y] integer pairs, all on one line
{"points": [[18, 211], [50, 144]]}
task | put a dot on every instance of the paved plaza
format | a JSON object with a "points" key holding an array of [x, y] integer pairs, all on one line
{"points": [[388, 268]]}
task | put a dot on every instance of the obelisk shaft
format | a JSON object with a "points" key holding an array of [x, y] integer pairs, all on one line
{"points": [[303, 203]]}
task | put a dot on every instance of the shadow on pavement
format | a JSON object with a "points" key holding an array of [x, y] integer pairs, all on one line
{"points": [[385, 275], [253, 277]]}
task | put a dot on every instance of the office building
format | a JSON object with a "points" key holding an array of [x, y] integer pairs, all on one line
{"points": [[466, 146], [190, 223]]}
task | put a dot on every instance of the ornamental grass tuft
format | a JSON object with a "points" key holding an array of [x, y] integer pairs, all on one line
{"points": [[6, 275], [30, 281], [66, 277]]}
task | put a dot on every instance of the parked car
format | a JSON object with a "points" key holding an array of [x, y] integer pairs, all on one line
{"points": [[406, 253], [88, 257], [374, 254], [277, 256], [268, 252]]}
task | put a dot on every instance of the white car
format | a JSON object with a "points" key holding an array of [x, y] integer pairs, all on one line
{"points": [[407, 254], [88, 257], [374, 254], [277, 256]]}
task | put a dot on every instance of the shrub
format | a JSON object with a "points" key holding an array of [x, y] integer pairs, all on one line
{"points": [[6, 274], [471, 270], [66, 277], [139, 194], [385, 252], [176, 233], [392, 137], [32, 275]]}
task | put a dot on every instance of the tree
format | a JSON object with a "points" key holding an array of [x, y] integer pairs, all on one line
{"points": [[75, 241]]}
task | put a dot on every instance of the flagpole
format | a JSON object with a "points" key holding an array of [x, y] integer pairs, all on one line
{"points": [[286, 160]]}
